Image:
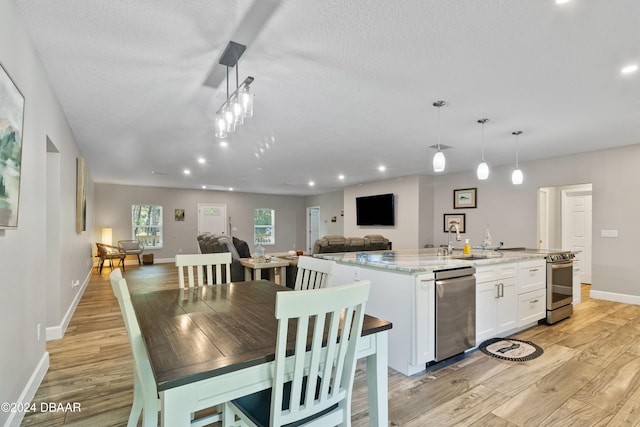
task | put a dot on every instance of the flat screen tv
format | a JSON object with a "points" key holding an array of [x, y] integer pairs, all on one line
{"points": [[375, 210]]}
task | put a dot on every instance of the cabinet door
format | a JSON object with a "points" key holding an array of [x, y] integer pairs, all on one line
{"points": [[424, 339], [507, 305], [532, 307], [532, 275], [486, 303]]}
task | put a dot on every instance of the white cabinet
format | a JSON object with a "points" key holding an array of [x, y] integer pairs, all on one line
{"points": [[532, 291], [496, 300], [532, 275], [424, 339], [577, 281], [531, 307]]}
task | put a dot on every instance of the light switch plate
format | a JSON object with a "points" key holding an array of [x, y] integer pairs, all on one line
{"points": [[608, 233]]}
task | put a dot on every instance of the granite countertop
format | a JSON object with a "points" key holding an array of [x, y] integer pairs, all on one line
{"points": [[416, 261]]}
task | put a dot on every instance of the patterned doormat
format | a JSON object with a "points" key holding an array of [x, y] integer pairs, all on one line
{"points": [[510, 349]]}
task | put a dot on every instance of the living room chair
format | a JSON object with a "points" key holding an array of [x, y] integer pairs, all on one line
{"points": [[131, 247], [205, 265], [313, 273], [318, 391], [108, 252], [145, 392]]}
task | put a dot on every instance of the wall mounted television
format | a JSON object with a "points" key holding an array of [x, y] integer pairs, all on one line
{"points": [[375, 210]]}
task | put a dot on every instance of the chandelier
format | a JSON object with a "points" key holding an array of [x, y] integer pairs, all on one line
{"points": [[239, 104]]}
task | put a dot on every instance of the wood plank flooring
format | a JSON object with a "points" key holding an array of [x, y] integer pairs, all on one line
{"points": [[588, 375]]}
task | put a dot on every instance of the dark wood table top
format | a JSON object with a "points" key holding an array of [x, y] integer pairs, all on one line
{"points": [[204, 332]]}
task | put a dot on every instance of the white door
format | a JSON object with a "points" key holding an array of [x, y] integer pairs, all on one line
{"points": [[577, 217], [313, 227], [212, 218]]}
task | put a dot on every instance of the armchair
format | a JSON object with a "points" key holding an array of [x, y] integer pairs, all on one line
{"points": [[110, 252], [131, 247]]}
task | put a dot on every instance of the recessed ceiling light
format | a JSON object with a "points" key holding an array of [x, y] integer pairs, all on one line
{"points": [[204, 187], [311, 183], [230, 188], [632, 68], [187, 172], [382, 168], [341, 177], [562, 1], [224, 144], [201, 160]]}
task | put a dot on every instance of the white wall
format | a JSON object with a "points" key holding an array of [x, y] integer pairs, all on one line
{"points": [[29, 290], [331, 205], [411, 194], [113, 209], [511, 210]]}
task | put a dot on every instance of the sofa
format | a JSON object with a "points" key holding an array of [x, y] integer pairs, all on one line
{"points": [[337, 243], [218, 243]]}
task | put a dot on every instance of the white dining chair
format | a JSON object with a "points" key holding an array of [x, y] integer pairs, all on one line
{"points": [[205, 266], [313, 273], [145, 392], [311, 387]]}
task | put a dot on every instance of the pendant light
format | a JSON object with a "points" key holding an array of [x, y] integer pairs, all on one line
{"points": [[516, 176], [438, 159], [483, 168]]}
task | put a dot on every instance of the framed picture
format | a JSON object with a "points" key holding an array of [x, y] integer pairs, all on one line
{"points": [[450, 219], [179, 214], [465, 198], [81, 195], [11, 122]]}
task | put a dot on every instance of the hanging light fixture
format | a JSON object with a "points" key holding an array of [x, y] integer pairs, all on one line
{"points": [[516, 176], [438, 159], [483, 168], [238, 105]]}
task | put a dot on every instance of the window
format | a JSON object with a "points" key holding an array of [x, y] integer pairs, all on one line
{"points": [[146, 225], [264, 221]]}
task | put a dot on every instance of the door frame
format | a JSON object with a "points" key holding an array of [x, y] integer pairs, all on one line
{"points": [[309, 242]]}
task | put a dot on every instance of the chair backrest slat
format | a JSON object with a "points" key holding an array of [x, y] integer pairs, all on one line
{"points": [[313, 273], [327, 327], [203, 263]]}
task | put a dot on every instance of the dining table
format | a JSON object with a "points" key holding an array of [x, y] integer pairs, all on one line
{"points": [[214, 343]]}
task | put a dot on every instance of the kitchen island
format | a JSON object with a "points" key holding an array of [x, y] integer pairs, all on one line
{"points": [[510, 295]]}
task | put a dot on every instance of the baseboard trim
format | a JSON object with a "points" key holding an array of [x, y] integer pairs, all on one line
{"points": [[29, 391], [57, 332], [615, 297]]}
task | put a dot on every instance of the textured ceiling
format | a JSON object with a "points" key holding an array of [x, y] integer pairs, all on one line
{"points": [[341, 86]]}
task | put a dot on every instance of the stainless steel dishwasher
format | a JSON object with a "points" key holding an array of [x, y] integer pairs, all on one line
{"points": [[455, 311]]}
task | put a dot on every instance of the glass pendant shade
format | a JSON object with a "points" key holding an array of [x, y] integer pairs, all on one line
{"points": [[483, 171], [516, 177], [229, 119], [221, 127], [438, 161], [246, 100], [238, 114]]}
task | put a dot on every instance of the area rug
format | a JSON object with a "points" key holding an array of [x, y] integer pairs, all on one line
{"points": [[510, 349]]}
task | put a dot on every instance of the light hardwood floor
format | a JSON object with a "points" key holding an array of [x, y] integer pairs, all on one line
{"points": [[589, 373]]}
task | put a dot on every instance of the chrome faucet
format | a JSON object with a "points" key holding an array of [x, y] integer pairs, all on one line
{"points": [[458, 238]]}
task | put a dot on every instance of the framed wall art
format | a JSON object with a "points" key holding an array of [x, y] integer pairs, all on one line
{"points": [[465, 198], [179, 214], [450, 219], [81, 195], [11, 124]]}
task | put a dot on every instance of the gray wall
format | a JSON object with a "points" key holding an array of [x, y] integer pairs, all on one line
{"points": [[32, 294], [113, 209], [331, 205]]}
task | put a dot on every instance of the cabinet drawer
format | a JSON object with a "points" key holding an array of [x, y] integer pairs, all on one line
{"points": [[532, 275], [506, 271], [531, 307], [486, 274]]}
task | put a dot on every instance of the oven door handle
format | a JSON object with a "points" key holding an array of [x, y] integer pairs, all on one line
{"points": [[562, 264]]}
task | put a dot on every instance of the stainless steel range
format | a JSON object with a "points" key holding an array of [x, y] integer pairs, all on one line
{"points": [[559, 286]]}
